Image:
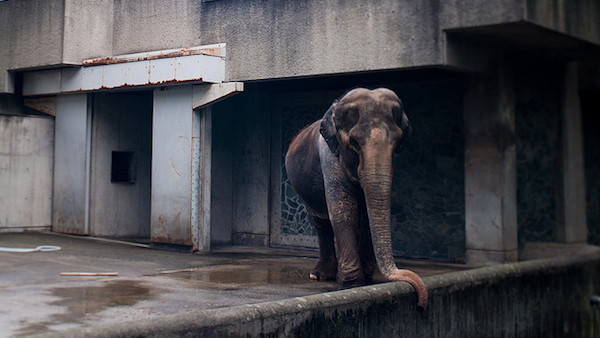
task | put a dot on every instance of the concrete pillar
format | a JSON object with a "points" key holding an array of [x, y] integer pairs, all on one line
{"points": [[70, 212], [490, 168], [207, 230], [171, 205], [182, 161], [572, 217], [202, 179]]}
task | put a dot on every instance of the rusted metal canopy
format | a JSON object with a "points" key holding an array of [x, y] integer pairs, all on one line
{"points": [[204, 64], [212, 50]]}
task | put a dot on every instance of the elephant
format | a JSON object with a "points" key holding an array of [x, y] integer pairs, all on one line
{"points": [[341, 167]]}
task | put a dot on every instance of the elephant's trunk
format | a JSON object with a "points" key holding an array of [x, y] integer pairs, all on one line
{"points": [[376, 174]]}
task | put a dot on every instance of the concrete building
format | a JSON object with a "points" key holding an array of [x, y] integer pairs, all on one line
{"points": [[168, 121]]}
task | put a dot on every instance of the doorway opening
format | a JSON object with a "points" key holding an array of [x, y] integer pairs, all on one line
{"points": [[120, 177]]}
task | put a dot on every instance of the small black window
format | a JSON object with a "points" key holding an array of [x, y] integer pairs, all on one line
{"points": [[123, 169]]}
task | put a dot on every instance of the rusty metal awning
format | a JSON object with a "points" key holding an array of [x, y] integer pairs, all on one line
{"points": [[202, 64]]}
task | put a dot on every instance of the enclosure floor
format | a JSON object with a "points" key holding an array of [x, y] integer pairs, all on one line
{"points": [[37, 298]]}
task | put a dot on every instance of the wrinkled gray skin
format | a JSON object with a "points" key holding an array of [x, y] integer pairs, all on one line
{"points": [[341, 166]]}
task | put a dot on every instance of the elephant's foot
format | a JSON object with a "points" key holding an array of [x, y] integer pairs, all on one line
{"points": [[352, 284], [351, 278], [362, 281], [323, 273]]}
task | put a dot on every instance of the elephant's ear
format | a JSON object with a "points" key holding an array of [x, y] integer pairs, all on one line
{"points": [[328, 129], [405, 125]]}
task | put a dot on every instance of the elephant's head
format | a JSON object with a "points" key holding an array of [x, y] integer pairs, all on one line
{"points": [[364, 123], [364, 128]]}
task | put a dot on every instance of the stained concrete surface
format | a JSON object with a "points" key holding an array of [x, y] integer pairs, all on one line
{"points": [[35, 298]]}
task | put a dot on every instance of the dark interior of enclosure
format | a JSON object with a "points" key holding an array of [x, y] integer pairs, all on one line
{"points": [[428, 192], [537, 124], [590, 109], [428, 211]]}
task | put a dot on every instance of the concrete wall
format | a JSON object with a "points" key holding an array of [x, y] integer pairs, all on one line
{"points": [[473, 13], [544, 298], [33, 32], [26, 164], [121, 122], [153, 25], [88, 30], [172, 125], [284, 39], [71, 164], [32, 36], [268, 39], [575, 18], [490, 167]]}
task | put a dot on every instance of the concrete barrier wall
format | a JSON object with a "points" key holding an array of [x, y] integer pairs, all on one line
{"points": [[26, 165], [543, 298]]}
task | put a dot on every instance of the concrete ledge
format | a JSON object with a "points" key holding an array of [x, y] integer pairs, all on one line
{"points": [[33, 228], [491, 257], [536, 298]]}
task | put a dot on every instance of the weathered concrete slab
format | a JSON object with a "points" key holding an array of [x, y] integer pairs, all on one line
{"points": [[26, 163]]}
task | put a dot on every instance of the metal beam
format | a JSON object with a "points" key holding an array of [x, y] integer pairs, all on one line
{"points": [[208, 94]]}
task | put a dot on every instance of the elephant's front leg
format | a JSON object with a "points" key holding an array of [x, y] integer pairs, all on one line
{"points": [[343, 214], [367, 255]]}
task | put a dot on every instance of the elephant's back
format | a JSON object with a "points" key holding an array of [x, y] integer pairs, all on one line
{"points": [[304, 167], [305, 139]]}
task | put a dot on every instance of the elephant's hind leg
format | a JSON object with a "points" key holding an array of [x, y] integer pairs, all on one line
{"points": [[326, 268]]}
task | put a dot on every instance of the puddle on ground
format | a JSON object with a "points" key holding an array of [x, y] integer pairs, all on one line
{"points": [[81, 302], [231, 277]]}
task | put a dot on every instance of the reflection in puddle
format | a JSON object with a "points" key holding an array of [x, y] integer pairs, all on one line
{"points": [[87, 300], [81, 302], [228, 277]]}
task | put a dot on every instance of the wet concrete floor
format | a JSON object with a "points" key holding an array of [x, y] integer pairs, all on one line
{"points": [[35, 298]]}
